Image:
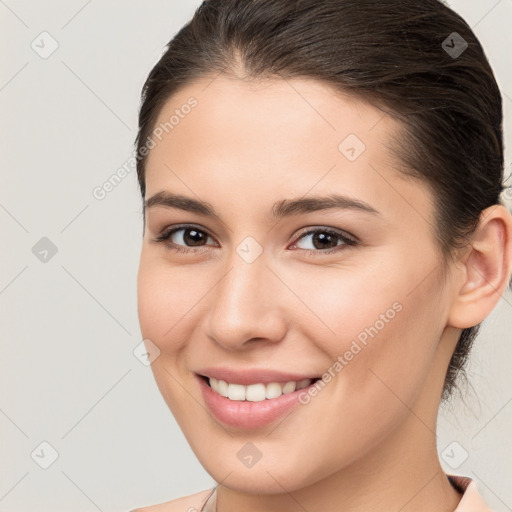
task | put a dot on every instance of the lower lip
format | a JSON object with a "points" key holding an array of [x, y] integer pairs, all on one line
{"points": [[246, 414]]}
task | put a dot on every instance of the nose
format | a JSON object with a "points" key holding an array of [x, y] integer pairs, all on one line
{"points": [[247, 306]]}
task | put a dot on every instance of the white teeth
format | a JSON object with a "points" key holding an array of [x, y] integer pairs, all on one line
{"points": [[236, 392], [274, 390], [303, 383], [256, 392], [289, 387], [222, 387]]}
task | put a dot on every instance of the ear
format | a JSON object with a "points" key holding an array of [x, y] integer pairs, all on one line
{"points": [[484, 271]]}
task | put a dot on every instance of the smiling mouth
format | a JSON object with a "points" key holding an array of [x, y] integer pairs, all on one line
{"points": [[257, 392]]}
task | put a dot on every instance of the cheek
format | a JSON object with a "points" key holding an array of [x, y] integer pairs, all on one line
{"points": [[167, 298], [379, 329], [380, 357], [356, 302]]}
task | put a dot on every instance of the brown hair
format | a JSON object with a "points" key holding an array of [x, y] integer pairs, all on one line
{"points": [[416, 59]]}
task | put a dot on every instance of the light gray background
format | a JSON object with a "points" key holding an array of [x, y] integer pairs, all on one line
{"points": [[69, 325]]}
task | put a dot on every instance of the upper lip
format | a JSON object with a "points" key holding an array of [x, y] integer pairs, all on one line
{"points": [[250, 376]]}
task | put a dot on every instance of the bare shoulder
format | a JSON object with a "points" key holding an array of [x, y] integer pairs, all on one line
{"points": [[190, 503]]}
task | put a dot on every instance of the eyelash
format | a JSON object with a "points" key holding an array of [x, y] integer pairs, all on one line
{"points": [[347, 240]]}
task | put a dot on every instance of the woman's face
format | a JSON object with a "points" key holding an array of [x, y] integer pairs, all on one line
{"points": [[314, 257]]}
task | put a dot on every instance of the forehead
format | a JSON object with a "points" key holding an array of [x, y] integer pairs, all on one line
{"points": [[274, 138], [266, 121], [251, 111]]}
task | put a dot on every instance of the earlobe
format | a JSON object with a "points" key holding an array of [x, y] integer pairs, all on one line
{"points": [[485, 271]]}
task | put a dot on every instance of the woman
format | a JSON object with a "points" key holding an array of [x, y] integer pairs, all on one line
{"points": [[323, 235]]}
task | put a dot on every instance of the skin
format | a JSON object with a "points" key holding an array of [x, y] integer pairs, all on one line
{"points": [[367, 440]]}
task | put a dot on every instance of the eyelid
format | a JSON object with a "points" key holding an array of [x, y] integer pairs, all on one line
{"points": [[319, 228], [347, 238], [166, 233]]}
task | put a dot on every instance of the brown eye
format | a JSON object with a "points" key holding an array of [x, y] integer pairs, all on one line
{"points": [[324, 241], [191, 236], [183, 238]]}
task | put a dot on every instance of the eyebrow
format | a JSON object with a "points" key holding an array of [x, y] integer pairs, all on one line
{"points": [[280, 209]]}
